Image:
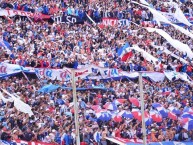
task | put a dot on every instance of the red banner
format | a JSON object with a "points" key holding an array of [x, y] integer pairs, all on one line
{"points": [[110, 21], [11, 13]]}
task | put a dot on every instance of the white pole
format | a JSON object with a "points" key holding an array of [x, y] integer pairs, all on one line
{"points": [[142, 108], [75, 108]]}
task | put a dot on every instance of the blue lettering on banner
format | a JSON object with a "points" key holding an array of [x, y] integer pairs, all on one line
{"points": [[114, 72], [124, 22], [105, 72], [94, 70], [48, 73]]}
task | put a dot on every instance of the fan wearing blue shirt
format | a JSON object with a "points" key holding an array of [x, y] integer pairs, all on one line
{"points": [[68, 139]]}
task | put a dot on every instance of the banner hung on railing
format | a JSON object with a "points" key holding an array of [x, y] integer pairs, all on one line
{"points": [[89, 72], [53, 74], [11, 13], [9, 69], [123, 141], [71, 19], [21, 142], [115, 22]]}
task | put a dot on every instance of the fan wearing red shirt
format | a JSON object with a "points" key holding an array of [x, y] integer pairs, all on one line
{"points": [[178, 68], [117, 133]]}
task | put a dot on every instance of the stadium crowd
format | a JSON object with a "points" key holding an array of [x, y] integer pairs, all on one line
{"points": [[42, 43]]}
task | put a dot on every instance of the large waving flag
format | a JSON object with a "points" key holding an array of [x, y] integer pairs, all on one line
{"points": [[104, 116], [119, 101], [144, 2], [187, 115], [160, 109], [174, 110], [49, 88], [158, 17], [187, 123], [19, 104], [137, 115], [172, 116], [180, 17], [126, 114], [97, 136], [156, 116], [6, 45], [134, 101], [110, 106], [125, 52], [5, 100], [174, 42]]}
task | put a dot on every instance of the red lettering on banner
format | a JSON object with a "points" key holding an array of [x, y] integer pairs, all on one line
{"points": [[64, 75], [29, 14], [42, 72], [80, 73], [15, 12], [8, 11], [23, 13], [3, 69]]}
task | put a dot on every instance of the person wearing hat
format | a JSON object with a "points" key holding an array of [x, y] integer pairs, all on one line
{"points": [[14, 134], [153, 135]]}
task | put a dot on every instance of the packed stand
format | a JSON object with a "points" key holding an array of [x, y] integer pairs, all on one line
{"points": [[42, 43]]}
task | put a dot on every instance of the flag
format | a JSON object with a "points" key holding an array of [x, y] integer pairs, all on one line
{"points": [[158, 17], [5, 100], [5, 45], [48, 88], [144, 2], [19, 105], [180, 17], [174, 42], [2, 142], [121, 50], [97, 136], [128, 54], [110, 106], [187, 123]]}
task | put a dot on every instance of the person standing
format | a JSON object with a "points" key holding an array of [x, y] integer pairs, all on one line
{"points": [[104, 135]]}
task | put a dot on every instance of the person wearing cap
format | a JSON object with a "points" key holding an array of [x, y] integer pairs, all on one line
{"points": [[14, 135], [153, 135]]}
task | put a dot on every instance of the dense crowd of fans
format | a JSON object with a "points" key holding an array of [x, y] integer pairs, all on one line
{"points": [[47, 44]]}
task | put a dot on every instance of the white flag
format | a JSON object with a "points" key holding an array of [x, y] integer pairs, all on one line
{"points": [[145, 54], [175, 43], [5, 100], [144, 2], [158, 17], [20, 105], [180, 17]]}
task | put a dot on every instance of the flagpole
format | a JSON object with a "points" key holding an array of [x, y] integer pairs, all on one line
{"points": [[75, 108], [142, 109]]}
